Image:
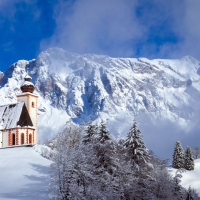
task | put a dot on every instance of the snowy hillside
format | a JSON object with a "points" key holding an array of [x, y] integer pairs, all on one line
{"points": [[116, 89], [24, 174], [191, 178]]}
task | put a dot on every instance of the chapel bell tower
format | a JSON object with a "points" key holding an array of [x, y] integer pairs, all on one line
{"points": [[31, 101]]}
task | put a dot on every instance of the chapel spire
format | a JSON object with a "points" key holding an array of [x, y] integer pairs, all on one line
{"points": [[27, 86]]}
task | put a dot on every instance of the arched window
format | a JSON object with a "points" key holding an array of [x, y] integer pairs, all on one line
{"points": [[33, 104], [13, 139], [30, 139], [22, 138]]}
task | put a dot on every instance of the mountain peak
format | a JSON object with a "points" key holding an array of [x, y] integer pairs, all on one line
{"points": [[97, 86]]}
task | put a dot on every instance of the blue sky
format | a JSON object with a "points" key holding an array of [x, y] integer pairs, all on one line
{"points": [[118, 28]]}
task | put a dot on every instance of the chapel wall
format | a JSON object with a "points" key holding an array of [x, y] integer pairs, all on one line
{"points": [[18, 136], [24, 136], [5, 138]]}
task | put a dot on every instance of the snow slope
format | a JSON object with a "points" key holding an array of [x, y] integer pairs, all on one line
{"points": [[191, 178], [24, 174]]}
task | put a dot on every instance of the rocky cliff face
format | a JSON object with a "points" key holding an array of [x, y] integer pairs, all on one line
{"points": [[93, 86]]}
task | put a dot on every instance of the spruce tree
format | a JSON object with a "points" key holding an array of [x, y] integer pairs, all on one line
{"points": [[105, 163], [136, 148], [196, 152], [189, 162], [89, 133], [177, 190], [178, 156], [189, 194], [103, 134], [105, 150]]}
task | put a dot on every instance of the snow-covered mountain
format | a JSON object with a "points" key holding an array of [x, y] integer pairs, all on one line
{"points": [[115, 89]]}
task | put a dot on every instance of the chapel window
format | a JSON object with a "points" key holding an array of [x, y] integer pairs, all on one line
{"points": [[13, 139], [33, 104], [22, 138], [30, 139]]}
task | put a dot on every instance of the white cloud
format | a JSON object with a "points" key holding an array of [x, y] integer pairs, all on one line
{"points": [[189, 29], [121, 27], [126, 27], [178, 19], [98, 26]]}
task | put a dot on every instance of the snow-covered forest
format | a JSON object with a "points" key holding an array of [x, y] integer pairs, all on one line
{"points": [[89, 164]]}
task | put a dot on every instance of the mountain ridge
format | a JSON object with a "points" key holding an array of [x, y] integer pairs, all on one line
{"points": [[83, 87]]}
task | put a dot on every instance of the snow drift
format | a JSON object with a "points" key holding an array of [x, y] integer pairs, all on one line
{"points": [[24, 174]]}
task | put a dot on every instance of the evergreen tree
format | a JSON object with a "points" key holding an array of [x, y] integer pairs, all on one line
{"points": [[136, 148], [89, 133], [105, 163], [96, 129], [102, 171], [104, 149], [189, 162], [178, 156], [103, 134], [189, 194], [177, 189], [196, 152]]}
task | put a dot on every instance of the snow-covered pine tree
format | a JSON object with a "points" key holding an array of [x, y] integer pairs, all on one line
{"points": [[96, 171], [177, 190], [196, 152], [104, 149], [178, 156], [138, 156], [161, 185], [105, 163], [189, 194], [103, 133], [189, 161], [89, 133], [135, 146]]}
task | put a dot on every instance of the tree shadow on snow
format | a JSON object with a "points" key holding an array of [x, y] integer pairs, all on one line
{"points": [[32, 191]]}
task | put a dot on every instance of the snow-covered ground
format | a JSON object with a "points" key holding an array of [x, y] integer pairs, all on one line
{"points": [[23, 174], [191, 178]]}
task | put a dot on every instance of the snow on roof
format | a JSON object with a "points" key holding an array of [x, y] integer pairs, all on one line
{"points": [[27, 83], [25, 93], [10, 115], [27, 76]]}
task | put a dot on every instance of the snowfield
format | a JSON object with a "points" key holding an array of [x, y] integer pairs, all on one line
{"points": [[24, 174], [191, 178]]}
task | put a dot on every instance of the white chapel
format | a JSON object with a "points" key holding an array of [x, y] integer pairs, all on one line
{"points": [[19, 121]]}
